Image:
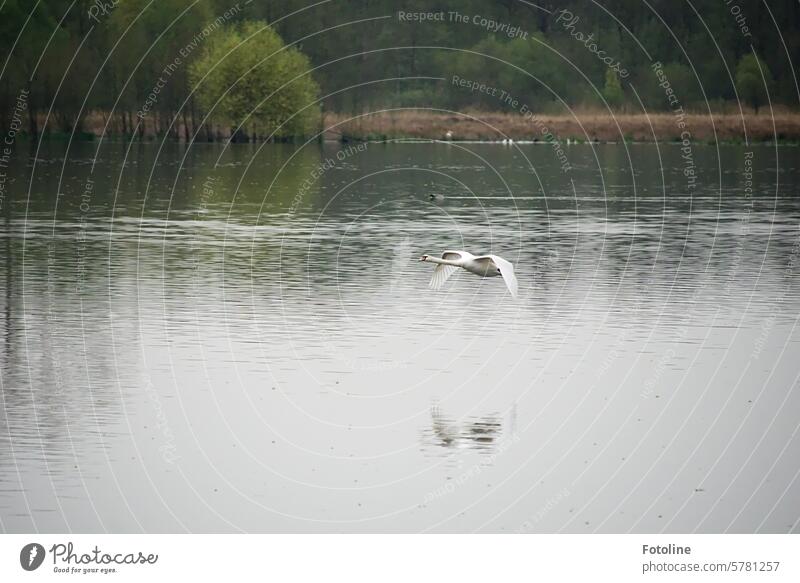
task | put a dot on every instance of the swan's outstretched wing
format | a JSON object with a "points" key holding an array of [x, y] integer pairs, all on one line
{"points": [[441, 274], [506, 271]]}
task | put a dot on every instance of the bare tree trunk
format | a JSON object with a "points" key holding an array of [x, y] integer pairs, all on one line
{"points": [[33, 125], [194, 118]]}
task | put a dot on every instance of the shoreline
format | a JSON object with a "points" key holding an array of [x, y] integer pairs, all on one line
{"points": [[495, 127]]}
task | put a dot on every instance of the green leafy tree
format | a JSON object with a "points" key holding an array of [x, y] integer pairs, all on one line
{"points": [[753, 80], [246, 77]]}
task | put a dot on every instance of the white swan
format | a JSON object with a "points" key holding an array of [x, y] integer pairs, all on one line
{"points": [[482, 265]]}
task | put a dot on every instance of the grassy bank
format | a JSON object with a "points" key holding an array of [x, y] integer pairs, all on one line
{"points": [[491, 126], [783, 126]]}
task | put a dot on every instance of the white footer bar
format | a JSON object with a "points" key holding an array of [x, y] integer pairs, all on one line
{"points": [[402, 558]]}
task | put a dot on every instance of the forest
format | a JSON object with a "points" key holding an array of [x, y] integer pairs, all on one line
{"points": [[265, 69]]}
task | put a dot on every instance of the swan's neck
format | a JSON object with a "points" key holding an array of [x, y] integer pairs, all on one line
{"points": [[441, 261]]}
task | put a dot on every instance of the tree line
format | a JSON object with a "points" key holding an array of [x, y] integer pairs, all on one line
{"points": [[267, 69]]}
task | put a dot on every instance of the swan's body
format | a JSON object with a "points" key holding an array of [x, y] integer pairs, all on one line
{"points": [[481, 265], [436, 197]]}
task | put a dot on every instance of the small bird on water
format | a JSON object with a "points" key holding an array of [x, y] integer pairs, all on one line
{"points": [[481, 265]]}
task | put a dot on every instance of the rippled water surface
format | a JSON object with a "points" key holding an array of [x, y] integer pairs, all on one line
{"points": [[214, 339]]}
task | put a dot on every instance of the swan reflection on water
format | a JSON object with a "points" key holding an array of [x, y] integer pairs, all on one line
{"points": [[476, 433]]}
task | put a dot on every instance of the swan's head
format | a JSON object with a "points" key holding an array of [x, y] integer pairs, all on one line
{"points": [[423, 258]]}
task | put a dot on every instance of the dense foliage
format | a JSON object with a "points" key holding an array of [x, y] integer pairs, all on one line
{"points": [[169, 65], [248, 78]]}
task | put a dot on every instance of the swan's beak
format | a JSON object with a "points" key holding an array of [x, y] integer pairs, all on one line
{"points": [[423, 258]]}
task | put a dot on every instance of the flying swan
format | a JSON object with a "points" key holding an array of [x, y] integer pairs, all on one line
{"points": [[483, 266]]}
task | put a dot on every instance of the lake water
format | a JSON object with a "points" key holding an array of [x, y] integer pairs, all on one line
{"points": [[243, 339]]}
